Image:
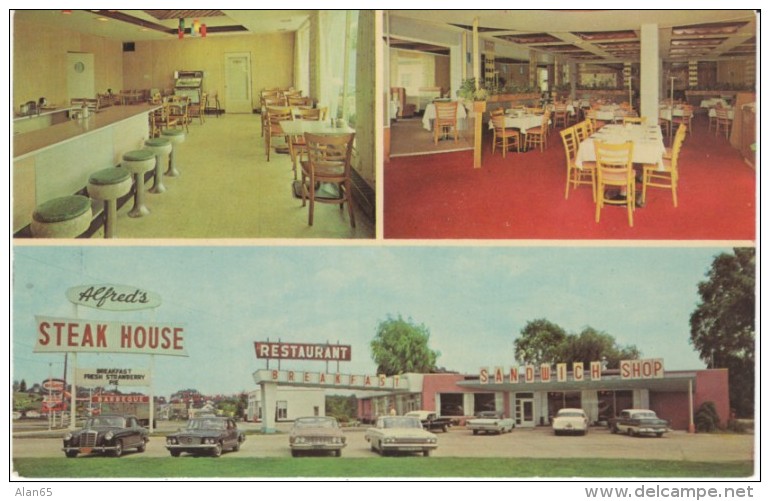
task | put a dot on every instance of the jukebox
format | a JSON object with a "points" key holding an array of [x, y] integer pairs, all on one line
{"points": [[189, 84]]}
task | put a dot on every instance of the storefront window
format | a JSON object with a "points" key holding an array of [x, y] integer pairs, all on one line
{"points": [[281, 409], [562, 399], [483, 402], [612, 402], [452, 404]]}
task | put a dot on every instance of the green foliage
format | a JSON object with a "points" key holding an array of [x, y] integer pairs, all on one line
{"points": [[722, 325], [706, 418], [543, 342], [401, 346], [342, 407], [469, 92]]}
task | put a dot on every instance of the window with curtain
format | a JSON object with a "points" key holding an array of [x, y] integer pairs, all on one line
{"points": [[338, 63]]}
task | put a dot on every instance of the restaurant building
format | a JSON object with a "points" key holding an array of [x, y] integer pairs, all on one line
{"points": [[674, 395]]}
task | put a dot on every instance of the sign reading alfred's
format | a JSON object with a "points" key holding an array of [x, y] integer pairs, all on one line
{"points": [[113, 297], [98, 336]]}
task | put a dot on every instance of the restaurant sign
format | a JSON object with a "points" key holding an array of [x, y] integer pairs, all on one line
{"points": [[303, 351], [60, 335], [332, 380], [113, 297], [651, 368], [111, 376]]}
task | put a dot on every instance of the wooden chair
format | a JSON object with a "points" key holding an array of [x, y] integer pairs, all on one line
{"points": [[297, 145], [178, 112], [614, 168], [538, 136], [211, 104], [446, 119], [328, 162], [560, 115], [274, 101], [666, 176], [274, 116], [669, 153], [723, 122], [299, 101], [586, 174], [161, 120], [582, 131], [634, 120], [195, 110], [684, 119], [503, 137]]}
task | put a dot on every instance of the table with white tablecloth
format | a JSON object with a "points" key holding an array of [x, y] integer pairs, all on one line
{"points": [[730, 113], [521, 122], [430, 115], [647, 139], [710, 103]]}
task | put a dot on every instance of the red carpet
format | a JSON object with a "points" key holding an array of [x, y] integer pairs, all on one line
{"points": [[522, 197]]}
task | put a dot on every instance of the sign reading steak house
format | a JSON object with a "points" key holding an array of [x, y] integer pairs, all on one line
{"points": [[113, 297], [303, 351]]}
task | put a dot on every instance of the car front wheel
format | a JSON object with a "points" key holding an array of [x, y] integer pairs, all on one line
{"points": [[118, 451], [426, 452], [175, 453], [237, 446], [142, 447], [217, 450], [71, 454]]}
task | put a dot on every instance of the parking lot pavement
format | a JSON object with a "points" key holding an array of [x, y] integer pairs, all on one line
{"points": [[459, 442]]}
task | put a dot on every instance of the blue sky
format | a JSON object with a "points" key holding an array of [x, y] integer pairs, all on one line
{"points": [[474, 300]]}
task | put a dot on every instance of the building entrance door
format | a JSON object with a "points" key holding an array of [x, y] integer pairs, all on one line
{"points": [[525, 412], [238, 82]]}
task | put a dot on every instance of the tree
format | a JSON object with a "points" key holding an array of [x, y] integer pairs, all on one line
{"points": [[540, 342], [23, 385], [402, 346], [722, 325], [543, 342]]}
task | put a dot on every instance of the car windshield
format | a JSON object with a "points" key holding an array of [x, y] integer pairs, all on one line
{"points": [[645, 415], [569, 414], [315, 422], [205, 424], [114, 422], [401, 422]]}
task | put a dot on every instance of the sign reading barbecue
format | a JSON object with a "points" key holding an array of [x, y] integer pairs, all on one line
{"points": [[303, 351]]}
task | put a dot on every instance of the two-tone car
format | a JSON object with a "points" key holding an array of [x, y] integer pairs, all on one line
{"points": [[490, 422], [316, 434], [431, 421], [639, 422], [209, 435], [106, 434], [392, 434], [570, 421]]}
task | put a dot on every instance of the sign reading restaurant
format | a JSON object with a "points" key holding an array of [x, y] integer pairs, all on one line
{"points": [[113, 297], [303, 351], [57, 335], [651, 368]]}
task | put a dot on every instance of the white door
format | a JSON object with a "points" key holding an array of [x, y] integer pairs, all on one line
{"points": [[80, 75], [525, 412], [238, 82]]}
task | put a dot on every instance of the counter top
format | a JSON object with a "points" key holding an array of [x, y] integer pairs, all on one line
{"points": [[43, 112], [28, 143]]}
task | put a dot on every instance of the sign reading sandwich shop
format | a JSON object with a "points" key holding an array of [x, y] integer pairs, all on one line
{"points": [[98, 336], [113, 297], [651, 368], [303, 351]]}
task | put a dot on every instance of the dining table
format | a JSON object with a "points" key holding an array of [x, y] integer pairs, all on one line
{"points": [[647, 139], [299, 127], [517, 119], [430, 114]]}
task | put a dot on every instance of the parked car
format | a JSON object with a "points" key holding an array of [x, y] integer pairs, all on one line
{"points": [[431, 421], [210, 435], [110, 434], [570, 421], [490, 422], [400, 434], [639, 422], [317, 433]]}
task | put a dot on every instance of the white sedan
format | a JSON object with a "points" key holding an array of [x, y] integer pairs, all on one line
{"points": [[400, 434], [570, 421]]}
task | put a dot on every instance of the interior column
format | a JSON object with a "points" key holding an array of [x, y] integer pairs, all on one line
{"points": [[649, 81]]}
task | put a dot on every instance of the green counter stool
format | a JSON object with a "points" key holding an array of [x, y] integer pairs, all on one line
{"points": [[161, 147], [109, 185], [137, 162], [176, 136], [63, 217]]}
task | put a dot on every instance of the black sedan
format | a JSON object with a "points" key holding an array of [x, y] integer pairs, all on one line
{"points": [[106, 434], [206, 435]]}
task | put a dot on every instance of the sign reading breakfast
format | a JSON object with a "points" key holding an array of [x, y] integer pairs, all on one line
{"points": [[111, 376], [303, 351], [113, 297], [57, 335]]}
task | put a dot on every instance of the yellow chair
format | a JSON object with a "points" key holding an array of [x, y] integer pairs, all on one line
{"points": [[582, 131], [684, 119], [634, 120], [505, 138], [328, 163], [538, 136], [667, 175], [446, 119], [614, 168], [560, 115], [577, 175]]}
